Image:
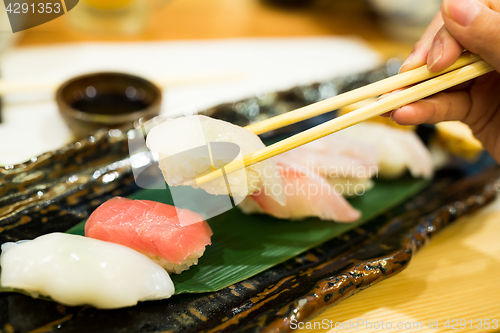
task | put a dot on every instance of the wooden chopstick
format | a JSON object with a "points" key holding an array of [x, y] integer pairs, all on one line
{"points": [[377, 108], [375, 89]]}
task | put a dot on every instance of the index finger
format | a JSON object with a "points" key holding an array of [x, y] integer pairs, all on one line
{"points": [[418, 57]]}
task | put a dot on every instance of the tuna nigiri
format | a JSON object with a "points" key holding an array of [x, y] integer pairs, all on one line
{"points": [[174, 238]]}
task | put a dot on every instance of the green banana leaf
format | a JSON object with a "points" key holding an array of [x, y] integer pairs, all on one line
{"points": [[244, 245]]}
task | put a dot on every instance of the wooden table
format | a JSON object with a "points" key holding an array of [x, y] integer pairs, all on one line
{"points": [[455, 277]]}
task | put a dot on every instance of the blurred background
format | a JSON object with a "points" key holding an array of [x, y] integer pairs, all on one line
{"points": [[390, 26], [200, 53]]}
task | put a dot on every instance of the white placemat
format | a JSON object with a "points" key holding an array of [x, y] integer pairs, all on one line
{"points": [[32, 125]]}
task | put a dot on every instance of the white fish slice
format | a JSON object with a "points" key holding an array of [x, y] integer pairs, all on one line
{"points": [[307, 195], [193, 145], [334, 156], [398, 150]]}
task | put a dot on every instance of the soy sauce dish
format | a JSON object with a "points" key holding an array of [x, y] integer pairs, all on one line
{"points": [[106, 100]]}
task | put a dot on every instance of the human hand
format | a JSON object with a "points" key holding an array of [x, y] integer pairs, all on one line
{"points": [[462, 24]]}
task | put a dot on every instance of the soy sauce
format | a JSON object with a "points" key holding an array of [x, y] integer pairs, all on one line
{"points": [[109, 104]]}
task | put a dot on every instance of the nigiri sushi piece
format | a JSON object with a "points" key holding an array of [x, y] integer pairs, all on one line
{"points": [[174, 238], [307, 195], [334, 157], [346, 163], [398, 150], [76, 270], [182, 145], [351, 187]]}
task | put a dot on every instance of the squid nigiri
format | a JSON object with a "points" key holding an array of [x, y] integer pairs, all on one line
{"points": [[174, 238], [76, 270]]}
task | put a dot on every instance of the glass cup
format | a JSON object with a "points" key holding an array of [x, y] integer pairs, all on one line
{"points": [[113, 16]]}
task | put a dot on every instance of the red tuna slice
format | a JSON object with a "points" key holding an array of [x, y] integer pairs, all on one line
{"points": [[150, 227]]}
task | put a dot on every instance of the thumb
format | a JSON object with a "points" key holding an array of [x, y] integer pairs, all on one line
{"points": [[475, 26]]}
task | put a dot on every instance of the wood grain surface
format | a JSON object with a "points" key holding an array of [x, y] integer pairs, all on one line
{"points": [[454, 277]]}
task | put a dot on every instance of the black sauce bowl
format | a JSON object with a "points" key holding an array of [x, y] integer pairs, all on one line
{"points": [[106, 100]]}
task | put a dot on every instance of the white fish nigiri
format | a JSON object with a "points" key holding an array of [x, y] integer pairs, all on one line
{"points": [[334, 157], [178, 142], [76, 270], [307, 195], [351, 187], [398, 150]]}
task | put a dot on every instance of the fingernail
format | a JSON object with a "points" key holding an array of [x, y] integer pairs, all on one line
{"points": [[462, 11], [391, 115], [435, 54], [407, 61]]}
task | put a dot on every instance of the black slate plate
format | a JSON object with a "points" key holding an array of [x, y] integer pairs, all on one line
{"points": [[297, 289]]}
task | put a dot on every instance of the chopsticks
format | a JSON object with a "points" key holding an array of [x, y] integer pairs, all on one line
{"points": [[375, 89], [391, 102]]}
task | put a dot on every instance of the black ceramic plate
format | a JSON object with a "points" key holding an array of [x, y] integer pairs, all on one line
{"points": [[296, 289]]}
